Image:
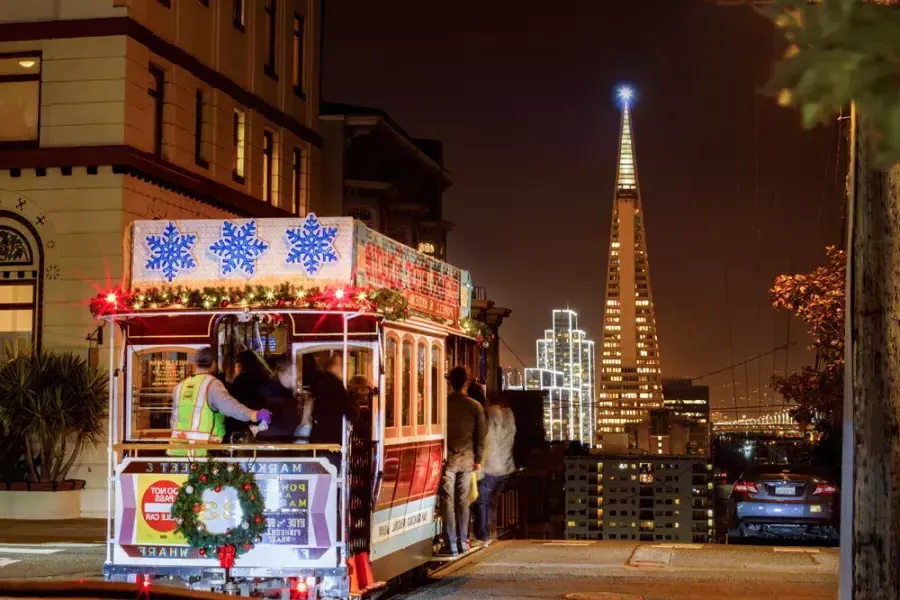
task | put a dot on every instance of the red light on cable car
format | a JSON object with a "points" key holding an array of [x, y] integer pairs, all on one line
{"points": [[300, 590], [111, 298]]}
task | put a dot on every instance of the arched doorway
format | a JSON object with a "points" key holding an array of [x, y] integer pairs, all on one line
{"points": [[21, 276]]}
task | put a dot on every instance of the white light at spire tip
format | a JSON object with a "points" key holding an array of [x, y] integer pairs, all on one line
{"points": [[625, 94]]}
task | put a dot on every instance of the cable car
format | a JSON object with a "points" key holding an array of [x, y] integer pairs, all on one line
{"points": [[358, 511]]}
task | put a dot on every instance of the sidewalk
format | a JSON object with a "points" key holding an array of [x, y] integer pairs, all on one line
{"points": [[52, 532]]}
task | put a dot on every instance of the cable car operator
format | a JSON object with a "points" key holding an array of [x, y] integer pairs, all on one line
{"points": [[200, 404]]}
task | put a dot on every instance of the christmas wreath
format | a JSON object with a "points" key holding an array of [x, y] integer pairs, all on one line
{"points": [[188, 506], [478, 330]]}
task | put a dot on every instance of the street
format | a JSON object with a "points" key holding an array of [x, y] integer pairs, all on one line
{"points": [[551, 569], [555, 569], [51, 561]]}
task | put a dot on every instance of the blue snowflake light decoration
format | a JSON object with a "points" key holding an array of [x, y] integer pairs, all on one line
{"points": [[312, 245], [171, 252], [239, 248]]}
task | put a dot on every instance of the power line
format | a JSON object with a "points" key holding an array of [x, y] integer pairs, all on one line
{"points": [[751, 359], [522, 362]]}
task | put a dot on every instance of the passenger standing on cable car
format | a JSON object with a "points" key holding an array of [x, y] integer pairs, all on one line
{"points": [[465, 447], [200, 404], [331, 404], [498, 463], [252, 376], [278, 397]]}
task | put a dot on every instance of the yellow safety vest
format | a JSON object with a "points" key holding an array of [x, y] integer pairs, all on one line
{"points": [[195, 421]]}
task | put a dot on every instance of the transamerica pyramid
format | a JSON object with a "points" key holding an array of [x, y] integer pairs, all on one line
{"points": [[630, 383]]}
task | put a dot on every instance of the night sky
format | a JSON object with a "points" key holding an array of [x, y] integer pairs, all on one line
{"points": [[523, 101]]}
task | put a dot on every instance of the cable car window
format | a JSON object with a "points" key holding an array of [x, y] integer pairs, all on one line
{"points": [[420, 384], [406, 397], [390, 382], [154, 375], [435, 384]]}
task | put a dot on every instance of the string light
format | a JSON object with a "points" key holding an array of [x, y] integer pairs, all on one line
{"points": [[390, 303]]}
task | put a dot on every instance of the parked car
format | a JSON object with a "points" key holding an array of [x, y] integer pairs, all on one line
{"points": [[784, 501]]}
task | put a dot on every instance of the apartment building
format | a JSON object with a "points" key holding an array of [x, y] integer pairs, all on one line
{"points": [[639, 497], [116, 110]]}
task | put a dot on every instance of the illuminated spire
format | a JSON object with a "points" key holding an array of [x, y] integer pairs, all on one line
{"points": [[629, 379], [626, 178]]}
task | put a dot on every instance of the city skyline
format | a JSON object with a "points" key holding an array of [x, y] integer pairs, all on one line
{"points": [[707, 135]]}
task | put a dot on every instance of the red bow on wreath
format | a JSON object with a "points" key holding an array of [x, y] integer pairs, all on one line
{"points": [[226, 556]]}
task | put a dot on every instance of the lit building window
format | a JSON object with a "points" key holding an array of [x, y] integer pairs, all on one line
{"points": [[238, 139], [20, 91], [238, 15], [270, 160], [426, 248], [298, 182]]}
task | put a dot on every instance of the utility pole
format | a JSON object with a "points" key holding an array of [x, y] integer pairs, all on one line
{"points": [[870, 528]]}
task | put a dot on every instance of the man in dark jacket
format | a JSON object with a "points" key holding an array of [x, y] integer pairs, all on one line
{"points": [[277, 395], [331, 404], [465, 447]]}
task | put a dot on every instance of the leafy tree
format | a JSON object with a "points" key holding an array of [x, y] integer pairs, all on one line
{"points": [[54, 405], [817, 299], [848, 51], [842, 51]]}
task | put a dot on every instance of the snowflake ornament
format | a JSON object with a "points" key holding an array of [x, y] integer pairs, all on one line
{"points": [[312, 245], [171, 252], [239, 248]]}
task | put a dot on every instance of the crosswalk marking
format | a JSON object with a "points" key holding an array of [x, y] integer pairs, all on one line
{"points": [[5, 562], [21, 550]]}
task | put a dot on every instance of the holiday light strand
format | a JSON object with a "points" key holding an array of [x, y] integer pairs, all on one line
{"points": [[387, 302]]}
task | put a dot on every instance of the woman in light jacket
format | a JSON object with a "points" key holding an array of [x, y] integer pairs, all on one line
{"points": [[498, 463]]}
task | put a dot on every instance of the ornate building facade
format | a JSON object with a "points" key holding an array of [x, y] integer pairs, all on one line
{"points": [[117, 110]]}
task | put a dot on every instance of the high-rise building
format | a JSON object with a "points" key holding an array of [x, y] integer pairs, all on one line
{"points": [[557, 402], [513, 379], [566, 369], [689, 405], [659, 498], [630, 381]]}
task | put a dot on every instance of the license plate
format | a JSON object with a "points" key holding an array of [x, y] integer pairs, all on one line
{"points": [[784, 490]]}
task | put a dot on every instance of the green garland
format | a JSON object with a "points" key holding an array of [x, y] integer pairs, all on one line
{"points": [[188, 506], [477, 329], [387, 302]]}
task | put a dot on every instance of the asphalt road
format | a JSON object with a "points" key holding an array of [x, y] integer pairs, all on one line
{"points": [[51, 561], [601, 571], [551, 569]]}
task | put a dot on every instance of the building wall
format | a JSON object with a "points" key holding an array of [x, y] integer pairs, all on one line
{"points": [[47, 10], [94, 98], [80, 219]]}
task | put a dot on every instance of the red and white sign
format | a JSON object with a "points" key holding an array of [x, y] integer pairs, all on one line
{"points": [[431, 286], [156, 505]]}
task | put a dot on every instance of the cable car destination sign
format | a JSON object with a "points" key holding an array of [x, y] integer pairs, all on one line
{"points": [[304, 251]]}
